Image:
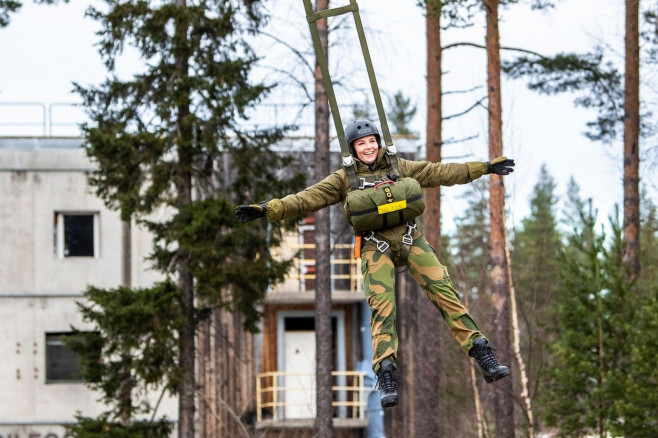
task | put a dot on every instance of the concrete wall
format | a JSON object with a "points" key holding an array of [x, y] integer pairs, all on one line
{"points": [[38, 290]]}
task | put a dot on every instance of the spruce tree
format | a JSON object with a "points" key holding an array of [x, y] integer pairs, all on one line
{"points": [[171, 150], [637, 407], [574, 396], [401, 113], [596, 331]]}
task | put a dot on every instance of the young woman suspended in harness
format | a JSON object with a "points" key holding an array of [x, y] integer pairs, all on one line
{"points": [[381, 210]]}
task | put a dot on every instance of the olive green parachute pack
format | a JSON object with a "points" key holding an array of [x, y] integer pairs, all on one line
{"points": [[387, 203]]}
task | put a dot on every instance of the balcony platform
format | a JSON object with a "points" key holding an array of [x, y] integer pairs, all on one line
{"points": [[307, 423], [309, 297]]}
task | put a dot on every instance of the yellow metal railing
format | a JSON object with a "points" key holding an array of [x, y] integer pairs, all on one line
{"points": [[342, 256], [282, 396]]}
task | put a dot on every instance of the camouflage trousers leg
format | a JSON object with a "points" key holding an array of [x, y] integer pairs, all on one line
{"points": [[433, 277], [379, 283]]}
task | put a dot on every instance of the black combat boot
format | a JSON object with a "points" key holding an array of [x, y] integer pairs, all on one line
{"points": [[483, 354], [387, 382]]}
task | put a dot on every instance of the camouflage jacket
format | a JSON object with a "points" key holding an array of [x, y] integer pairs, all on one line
{"points": [[334, 189]]}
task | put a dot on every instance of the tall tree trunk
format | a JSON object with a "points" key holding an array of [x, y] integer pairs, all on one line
{"points": [[323, 360], [126, 256], [183, 184], [516, 343], [429, 354], [125, 392], [631, 143], [504, 403], [187, 385]]}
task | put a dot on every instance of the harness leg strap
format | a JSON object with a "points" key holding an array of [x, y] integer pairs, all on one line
{"points": [[407, 241]]}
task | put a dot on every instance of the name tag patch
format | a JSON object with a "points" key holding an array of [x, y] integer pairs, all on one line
{"points": [[393, 206]]}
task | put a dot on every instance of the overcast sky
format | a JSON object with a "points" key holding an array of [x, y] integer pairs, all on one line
{"points": [[46, 48]]}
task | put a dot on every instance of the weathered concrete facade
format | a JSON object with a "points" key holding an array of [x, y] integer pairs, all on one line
{"points": [[44, 180]]}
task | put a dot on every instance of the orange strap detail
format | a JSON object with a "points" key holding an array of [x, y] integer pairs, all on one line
{"points": [[357, 247], [385, 182]]}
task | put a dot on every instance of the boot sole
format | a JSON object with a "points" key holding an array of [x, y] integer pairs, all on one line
{"points": [[491, 379], [389, 402]]}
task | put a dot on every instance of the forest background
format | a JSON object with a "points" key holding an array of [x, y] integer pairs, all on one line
{"points": [[538, 129], [585, 343]]}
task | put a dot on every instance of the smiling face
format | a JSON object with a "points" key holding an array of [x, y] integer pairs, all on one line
{"points": [[366, 149]]}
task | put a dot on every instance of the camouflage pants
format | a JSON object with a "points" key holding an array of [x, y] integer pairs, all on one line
{"points": [[379, 283]]}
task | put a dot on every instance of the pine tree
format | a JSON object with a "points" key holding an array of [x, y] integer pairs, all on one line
{"points": [[637, 407], [171, 140], [133, 351], [632, 141], [574, 394], [596, 331], [401, 113]]}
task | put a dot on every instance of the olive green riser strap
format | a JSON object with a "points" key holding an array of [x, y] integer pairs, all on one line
{"points": [[312, 17]]}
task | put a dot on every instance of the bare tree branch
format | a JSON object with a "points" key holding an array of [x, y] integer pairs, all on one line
{"points": [[452, 116], [480, 46]]}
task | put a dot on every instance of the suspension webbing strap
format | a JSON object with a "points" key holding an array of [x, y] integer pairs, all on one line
{"points": [[312, 17]]}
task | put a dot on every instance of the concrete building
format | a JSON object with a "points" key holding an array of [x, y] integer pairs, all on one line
{"points": [[58, 238]]}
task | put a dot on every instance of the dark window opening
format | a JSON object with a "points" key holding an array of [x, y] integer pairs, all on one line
{"points": [[62, 363], [79, 235]]}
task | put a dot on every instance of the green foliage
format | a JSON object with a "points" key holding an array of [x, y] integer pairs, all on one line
{"points": [[604, 343], [570, 72], [637, 407], [135, 346], [180, 122], [648, 244], [575, 392], [362, 111], [401, 113], [7, 7], [230, 261], [172, 152], [102, 427]]}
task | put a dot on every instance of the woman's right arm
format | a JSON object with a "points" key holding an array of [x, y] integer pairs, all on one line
{"points": [[329, 191]]}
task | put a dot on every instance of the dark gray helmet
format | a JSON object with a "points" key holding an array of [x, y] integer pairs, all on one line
{"points": [[359, 129]]}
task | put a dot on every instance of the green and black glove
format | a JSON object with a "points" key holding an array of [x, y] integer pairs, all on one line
{"points": [[500, 166], [247, 213]]}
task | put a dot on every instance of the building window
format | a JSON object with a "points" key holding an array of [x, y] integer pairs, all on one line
{"points": [[76, 234], [62, 363]]}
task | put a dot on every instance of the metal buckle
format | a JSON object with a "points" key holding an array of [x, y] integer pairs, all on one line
{"points": [[382, 246], [407, 239], [363, 184], [348, 161], [369, 236]]}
